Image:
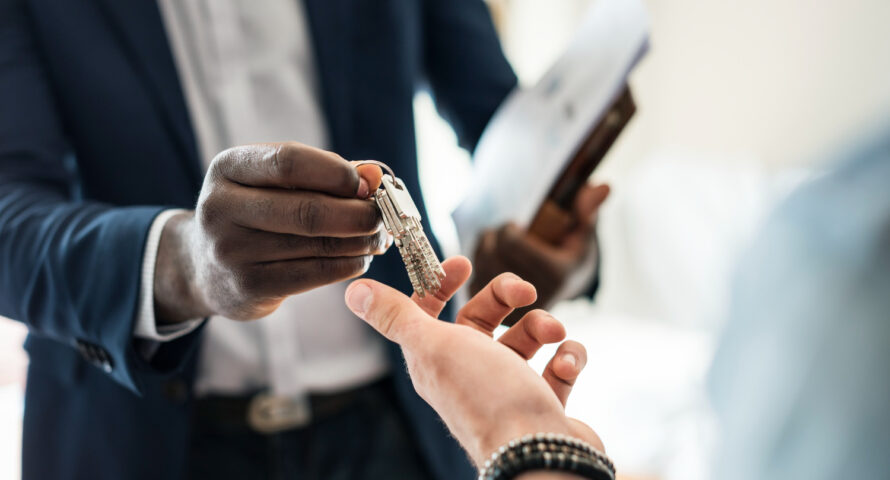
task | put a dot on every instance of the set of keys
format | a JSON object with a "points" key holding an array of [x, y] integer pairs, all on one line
{"points": [[401, 218]]}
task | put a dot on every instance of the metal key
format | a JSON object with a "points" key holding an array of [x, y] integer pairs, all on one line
{"points": [[402, 220]]}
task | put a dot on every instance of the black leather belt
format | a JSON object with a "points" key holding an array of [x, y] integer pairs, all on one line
{"points": [[265, 413]]}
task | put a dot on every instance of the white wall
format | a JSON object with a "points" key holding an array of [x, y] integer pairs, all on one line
{"points": [[774, 78]]}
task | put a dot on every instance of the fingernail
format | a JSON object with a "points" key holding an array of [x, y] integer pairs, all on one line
{"points": [[363, 188], [358, 298], [570, 359]]}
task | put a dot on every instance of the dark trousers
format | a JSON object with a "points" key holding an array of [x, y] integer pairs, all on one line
{"points": [[367, 439]]}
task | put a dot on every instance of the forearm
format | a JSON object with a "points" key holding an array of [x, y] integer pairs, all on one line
{"points": [[71, 270], [55, 254]]}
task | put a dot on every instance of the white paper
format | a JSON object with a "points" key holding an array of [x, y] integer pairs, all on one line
{"points": [[535, 132]]}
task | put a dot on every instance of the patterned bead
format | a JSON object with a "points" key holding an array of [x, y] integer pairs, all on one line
{"points": [[551, 451]]}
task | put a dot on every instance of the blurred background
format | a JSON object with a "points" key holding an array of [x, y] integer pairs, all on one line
{"points": [[738, 101]]}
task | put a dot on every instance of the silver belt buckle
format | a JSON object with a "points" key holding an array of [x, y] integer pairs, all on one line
{"points": [[269, 413]]}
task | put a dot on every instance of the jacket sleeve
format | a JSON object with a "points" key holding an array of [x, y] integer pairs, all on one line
{"points": [[466, 68], [69, 268]]}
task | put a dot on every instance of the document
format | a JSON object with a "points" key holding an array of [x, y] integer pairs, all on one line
{"points": [[537, 130]]}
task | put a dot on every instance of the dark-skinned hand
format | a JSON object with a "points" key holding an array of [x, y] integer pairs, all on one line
{"points": [[548, 267], [272, 220]]}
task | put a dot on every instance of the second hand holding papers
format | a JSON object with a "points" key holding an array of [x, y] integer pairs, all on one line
{"points": [[536, 131]]}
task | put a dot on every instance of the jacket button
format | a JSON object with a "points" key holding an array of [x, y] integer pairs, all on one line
{"points": [[83, 350], [96, 355]]}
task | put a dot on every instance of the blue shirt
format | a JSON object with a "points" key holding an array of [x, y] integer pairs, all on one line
{"points": [[801, 381]]}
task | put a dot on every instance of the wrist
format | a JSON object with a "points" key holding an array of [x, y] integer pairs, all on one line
{"points": [[177, 297], [506, 431], [545, 452]]}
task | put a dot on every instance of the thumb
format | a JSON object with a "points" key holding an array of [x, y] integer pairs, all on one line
{"points": [[590, 198], [371, 175], [386, 310]]}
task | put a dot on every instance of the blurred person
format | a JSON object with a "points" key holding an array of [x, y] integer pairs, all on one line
{"points": [[799, 382], [116, 117]]}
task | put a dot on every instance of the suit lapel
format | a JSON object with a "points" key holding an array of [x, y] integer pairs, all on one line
{"points": [[139, 27], [330, 26]]}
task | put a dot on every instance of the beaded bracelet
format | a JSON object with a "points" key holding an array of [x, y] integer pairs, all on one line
{"points": [[547, 451]]}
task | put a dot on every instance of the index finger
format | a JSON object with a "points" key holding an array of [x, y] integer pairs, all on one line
{"points": [[488, 308], [457, 271], [288, 165]]}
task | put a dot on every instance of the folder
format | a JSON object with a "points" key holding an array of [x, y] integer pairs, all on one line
{"points": [[544, 141], [554, 218]]}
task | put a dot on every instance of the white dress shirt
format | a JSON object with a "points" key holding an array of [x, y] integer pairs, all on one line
{"points": [[248, 75]]}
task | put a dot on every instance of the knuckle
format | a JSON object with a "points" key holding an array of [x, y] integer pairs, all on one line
{"points": [[310, 215], [505, 238], [565, 383], [369, 219], [388, 317], [499, 291], [250, 283], [221, 162], [226, 164], [281, 162], [210, 211], [364, 245], [374, 244], [359, 265], [328, 246], [262, 206]]}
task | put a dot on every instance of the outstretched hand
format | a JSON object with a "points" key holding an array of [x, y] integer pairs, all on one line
{"points": [[484, 390]]}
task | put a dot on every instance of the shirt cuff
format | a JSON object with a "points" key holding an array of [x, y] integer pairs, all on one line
{"points": [[146, 326]]}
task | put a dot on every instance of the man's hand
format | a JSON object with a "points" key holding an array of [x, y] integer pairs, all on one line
{"points": [[548, 267], [272, 220], [484, 390]]}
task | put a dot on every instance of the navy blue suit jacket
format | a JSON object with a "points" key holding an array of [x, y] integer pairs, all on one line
{"points": [[95, 140]]}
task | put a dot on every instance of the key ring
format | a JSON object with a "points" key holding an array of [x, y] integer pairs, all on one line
{"points": [[378, 163]]}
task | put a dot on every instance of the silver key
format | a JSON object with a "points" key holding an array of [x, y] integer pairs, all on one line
{"points": [[402, 220]]}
